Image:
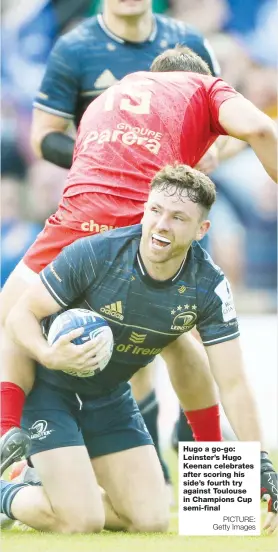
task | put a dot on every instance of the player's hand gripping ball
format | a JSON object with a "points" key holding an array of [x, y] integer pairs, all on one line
{"points": [[94, 325]]}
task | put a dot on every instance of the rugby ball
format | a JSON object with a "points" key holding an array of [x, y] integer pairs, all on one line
{"points": [[94, 325]]}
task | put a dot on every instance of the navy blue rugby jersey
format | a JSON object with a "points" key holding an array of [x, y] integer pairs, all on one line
{"points": [[105, 273], [87, 60]]}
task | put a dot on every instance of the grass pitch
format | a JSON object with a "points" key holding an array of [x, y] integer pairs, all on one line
{"points": [[17, 540]]}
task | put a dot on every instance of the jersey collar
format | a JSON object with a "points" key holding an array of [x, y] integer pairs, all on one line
{"points": [[121, 40], [151, 281]]}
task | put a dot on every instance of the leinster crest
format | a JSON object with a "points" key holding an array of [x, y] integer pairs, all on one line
{"points": [[185, 317]]}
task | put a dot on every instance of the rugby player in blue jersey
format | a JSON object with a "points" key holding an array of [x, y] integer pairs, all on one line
{"points": [[83, 64], [92, 432], [93, 56]]}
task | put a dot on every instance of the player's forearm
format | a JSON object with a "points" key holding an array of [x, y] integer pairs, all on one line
{"points": [[25, 330], [265, 145], [241, 410], [241, 119], [227, 366], [49, 139]]}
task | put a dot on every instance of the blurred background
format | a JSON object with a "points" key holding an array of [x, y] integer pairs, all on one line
{"points": [[243, 34]]}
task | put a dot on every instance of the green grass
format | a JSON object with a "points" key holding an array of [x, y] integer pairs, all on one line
{"points": [[17, 540], [113, 542], [31, 541]]}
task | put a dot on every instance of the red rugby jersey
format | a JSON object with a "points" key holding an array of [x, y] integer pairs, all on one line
{"points": [[139, 125]]}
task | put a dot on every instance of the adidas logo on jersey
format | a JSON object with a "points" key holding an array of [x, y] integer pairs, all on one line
{"points": [[115, 310], [105, 80]]}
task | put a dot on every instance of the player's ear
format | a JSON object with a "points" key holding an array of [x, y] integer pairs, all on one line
{"points": [[203, 229]]}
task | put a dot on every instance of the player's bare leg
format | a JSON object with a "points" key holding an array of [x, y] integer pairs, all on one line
{"points": [[11, 355], [145, 396], [143, 382], [17, 377], [191, 378], [68, 502], [71, 501], [182, 430], [134, 483]]}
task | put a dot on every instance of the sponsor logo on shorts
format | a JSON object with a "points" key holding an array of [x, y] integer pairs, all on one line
{"points": [[115, 310], [95, 228], [185, 318], [39, 430]]}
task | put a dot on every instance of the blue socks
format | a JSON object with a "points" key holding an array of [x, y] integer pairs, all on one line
{"points": [[8, 492], [184, 429], [181, 432]]}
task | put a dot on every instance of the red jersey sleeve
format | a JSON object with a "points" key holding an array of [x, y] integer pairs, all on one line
{"points": [[218, 93]]}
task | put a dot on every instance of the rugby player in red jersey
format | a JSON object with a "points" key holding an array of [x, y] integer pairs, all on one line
{"points": [[145, 121]]}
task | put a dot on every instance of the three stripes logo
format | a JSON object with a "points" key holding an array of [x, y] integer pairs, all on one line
{"points": [[137, 338], [115, 310]]}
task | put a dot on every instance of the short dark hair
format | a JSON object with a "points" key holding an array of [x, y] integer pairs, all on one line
{"points": [[180, 58], [186, 182]]}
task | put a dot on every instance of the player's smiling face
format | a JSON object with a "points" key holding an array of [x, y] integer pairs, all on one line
{"points": [[128, 7], [171, 222]]}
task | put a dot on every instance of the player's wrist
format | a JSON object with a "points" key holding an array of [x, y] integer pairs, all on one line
{"points": [[46, 358]]}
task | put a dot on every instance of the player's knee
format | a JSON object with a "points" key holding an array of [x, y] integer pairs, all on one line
{"points": [[78, 518], [151, 522], [87, 523]]}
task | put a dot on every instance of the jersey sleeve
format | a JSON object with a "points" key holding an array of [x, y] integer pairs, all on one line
{"points": [[59, 87], [69, 275], [217, 321], [218, 93]]}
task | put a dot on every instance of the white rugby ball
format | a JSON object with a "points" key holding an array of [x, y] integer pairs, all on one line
{"points": [[94, 325]]}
